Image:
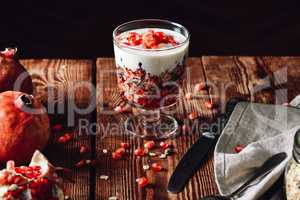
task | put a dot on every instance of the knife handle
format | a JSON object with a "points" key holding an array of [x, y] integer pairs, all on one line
{"points": [[191, 162]]}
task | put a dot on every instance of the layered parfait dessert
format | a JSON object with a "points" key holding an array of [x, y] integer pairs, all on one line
{"points": [[150, 65]]}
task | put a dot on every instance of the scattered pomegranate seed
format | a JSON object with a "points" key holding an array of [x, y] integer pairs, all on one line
{"points": [[62, 139], [125, 145], [156, 167], [193, 115], [142, 182], [164, 145], [57, 127], [116, 156], [199, 87], [83, 149], [139, 152], [238, 148], [185, 128], [286, 104], [209, 105], [119, 109], [120, 151], [149, 144], [188, 96], [65, 138], [80, 164]]}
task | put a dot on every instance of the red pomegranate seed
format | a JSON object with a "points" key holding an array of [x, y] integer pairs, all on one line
{"points": [[160, 36], [188, 96], [156, 167], [142, 182], [83, 149], [209, 105], [125, 145], [286, 104], [119, 109], [116, 156], [193, 115], [199, 87], [65, 138], [80, 164], [139, 152], [57, 127], [238, 148], [164, 145], [121, 151], [149, 144], [62, 139], [185, 128]]}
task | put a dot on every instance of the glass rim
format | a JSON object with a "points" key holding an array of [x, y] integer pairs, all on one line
{"points": [[151, 20]]}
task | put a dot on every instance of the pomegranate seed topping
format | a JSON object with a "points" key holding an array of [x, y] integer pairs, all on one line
{"points": [[149, 144], [199, 87], [10, 165], [238, 148], [156, 167], [134, 39], [83, 149], [188, 96], [142, 182], [125, 145], [80, 164], [209, 105], [164, 145], [120, 151], [193, 115], [116, 156], [139, 152], [149, 40], [57, 127]]}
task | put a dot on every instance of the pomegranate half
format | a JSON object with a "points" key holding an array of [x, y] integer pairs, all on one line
{"points": [[13, 76], [24, 126]]}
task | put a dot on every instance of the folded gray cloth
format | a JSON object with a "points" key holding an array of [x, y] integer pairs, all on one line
{"points": [[264, 130]]}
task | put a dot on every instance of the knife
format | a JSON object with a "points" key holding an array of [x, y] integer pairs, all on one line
{"points": [[194, 157]]}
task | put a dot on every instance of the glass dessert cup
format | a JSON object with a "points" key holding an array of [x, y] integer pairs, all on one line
{"points": [[150, 58]]}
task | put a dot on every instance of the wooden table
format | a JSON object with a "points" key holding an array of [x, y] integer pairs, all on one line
{"points": [[260, 79]]}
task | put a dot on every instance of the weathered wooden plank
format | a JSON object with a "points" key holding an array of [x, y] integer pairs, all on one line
{"points": [[61, 78], [124, 173], [62, 84], [285, 72], [231, 76]]}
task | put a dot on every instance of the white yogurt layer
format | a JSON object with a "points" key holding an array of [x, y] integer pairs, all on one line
{"points": [[153, 61]]}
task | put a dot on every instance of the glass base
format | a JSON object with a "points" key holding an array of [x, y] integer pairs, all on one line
{"points": [[165, 127]]}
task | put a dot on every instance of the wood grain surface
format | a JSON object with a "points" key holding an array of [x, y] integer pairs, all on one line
{"points": [[259, 79], [57, 82]]}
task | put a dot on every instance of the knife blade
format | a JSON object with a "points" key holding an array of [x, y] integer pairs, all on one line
{"points": [[194, 157]]}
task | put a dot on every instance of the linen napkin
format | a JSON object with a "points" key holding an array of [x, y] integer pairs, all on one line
{"points": [[264, 130]]}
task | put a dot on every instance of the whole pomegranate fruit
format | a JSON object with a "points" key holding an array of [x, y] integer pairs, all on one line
{"points": [[13, 76], [24, 126]]}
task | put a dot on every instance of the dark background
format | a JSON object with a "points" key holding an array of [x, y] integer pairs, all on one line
{"points": [[84, 28]]}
